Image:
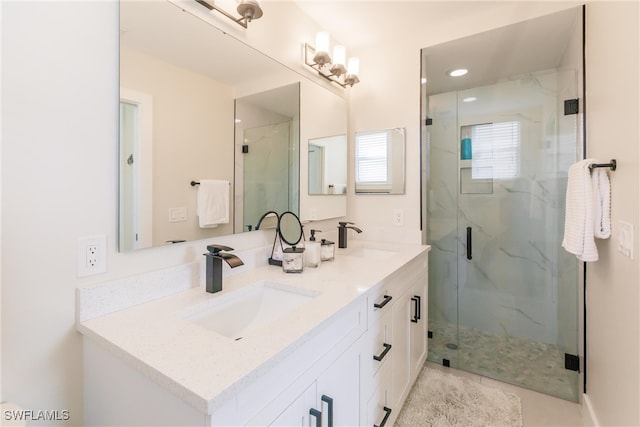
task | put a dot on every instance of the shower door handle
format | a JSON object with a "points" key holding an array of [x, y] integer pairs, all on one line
{"points": [[469, 243]]}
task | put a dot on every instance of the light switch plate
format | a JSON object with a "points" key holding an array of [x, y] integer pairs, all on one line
{"points": [[177, 214], [625, 238]]}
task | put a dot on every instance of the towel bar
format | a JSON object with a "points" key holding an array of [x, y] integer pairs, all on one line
{"points": [[612, 164]]}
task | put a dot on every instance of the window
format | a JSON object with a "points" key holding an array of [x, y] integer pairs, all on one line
{"points": [[496, 150], [372, 153]]}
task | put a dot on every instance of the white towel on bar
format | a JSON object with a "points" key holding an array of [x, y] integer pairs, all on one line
{"points": [[602, 202], [213, 203], [579, 214]]}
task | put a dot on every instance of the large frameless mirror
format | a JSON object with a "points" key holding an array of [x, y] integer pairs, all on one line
{"points": [[380, 161], [177, 124]]}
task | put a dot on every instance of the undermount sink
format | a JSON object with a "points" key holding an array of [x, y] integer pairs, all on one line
{"points": [[369, 252], [253, 307]]}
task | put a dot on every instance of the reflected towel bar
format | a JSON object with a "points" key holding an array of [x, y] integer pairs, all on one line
{"points": [[194, 183], [612, 164]]}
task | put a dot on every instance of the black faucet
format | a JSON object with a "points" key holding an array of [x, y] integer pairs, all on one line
{"points": [[342, 233], [214, 265]]}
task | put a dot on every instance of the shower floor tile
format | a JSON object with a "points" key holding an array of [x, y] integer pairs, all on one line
{"points": [[534, 365]]}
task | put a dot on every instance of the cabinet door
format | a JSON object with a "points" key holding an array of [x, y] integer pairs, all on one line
{"points": [[379, 408], [400, 359], [418, 326], [297, 414], [338, 390]]}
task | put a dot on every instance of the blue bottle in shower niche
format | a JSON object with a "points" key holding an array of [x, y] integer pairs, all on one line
{"points": [[465, 143]]}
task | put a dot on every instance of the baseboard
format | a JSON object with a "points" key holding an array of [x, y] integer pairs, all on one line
{"points": [[588, 415]]}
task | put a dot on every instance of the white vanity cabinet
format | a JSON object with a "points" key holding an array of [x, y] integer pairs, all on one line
{"points": [[410, 339], [397, 337], [352, 366], [333, 399]]}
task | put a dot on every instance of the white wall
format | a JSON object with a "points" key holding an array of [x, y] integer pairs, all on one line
{"points": [[59, 177], [613, 291]]}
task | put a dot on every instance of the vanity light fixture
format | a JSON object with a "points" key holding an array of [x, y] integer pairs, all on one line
{"points": [[248, 10], [335, 69]]}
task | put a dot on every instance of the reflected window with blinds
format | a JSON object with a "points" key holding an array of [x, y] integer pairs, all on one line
{"points": [[496, 150], [379, 161]]}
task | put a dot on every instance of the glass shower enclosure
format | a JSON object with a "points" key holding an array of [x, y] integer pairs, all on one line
{"points": [[503, 297]]}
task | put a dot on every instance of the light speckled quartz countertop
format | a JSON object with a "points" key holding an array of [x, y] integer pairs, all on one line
{"points": [[205, 368]]}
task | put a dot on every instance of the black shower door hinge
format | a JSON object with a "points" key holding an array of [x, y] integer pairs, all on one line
{"points": [[428, 121], [571, 106], [571, 362]]}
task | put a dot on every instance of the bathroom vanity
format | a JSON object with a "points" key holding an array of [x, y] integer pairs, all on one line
{"points": [[336, 345]]}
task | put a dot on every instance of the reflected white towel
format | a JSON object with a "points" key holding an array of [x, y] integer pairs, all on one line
{"points": [[602, 203], [579, 214], [213, 203]]}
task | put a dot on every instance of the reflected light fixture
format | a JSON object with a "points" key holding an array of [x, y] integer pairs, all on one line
{"points": [[457, 72], [248, 10], [334, 68]]}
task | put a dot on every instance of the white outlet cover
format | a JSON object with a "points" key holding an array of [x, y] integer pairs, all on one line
{"points": [[83, 268]]}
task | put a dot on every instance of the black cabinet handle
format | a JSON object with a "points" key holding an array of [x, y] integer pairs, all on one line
{"points": [[416, 316], [379, 358], [315, 413], [386, 416], [469, 243], [329, 402], [384, 302]]}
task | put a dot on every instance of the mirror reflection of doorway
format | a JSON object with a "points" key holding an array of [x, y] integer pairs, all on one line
{"points": [[316, 169], [136, 171]]}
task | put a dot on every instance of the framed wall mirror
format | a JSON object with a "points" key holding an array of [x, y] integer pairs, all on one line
{"points": [[178, 125], [380, 161]]}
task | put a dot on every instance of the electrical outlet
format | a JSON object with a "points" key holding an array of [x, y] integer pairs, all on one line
{"points": [[398, 217], [92, 255]]}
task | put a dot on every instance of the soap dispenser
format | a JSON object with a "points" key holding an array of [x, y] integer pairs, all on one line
{"points": [[312, 251]]}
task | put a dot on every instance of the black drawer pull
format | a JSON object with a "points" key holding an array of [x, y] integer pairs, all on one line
{"points": [[379, 358], [416, 308], [386, 416], [384, 302], [469, 246], [315, 413]]}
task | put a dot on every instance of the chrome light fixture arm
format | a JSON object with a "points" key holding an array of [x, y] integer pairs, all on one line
{"points": [[248, 9]]}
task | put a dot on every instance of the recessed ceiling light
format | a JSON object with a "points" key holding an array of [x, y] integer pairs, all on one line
{"points": [[469, 99], [458, 72]]}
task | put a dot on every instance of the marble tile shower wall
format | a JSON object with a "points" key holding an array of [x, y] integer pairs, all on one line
{"points": [[519, 274]]}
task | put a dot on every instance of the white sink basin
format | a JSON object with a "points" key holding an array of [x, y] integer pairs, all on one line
{"points": [[369, 252], [251, 308]]}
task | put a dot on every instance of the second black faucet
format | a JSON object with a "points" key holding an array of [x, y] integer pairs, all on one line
{"points": [[342, 232]]}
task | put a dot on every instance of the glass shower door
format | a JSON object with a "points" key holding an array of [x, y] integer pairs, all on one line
{"points": [[505, 295]]}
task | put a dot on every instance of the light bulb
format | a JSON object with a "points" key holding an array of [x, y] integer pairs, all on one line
{"points": [[353, 69], [322, 42]]}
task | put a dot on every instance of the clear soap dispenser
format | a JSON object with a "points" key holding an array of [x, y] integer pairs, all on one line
{"points": [[312, 251]]}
